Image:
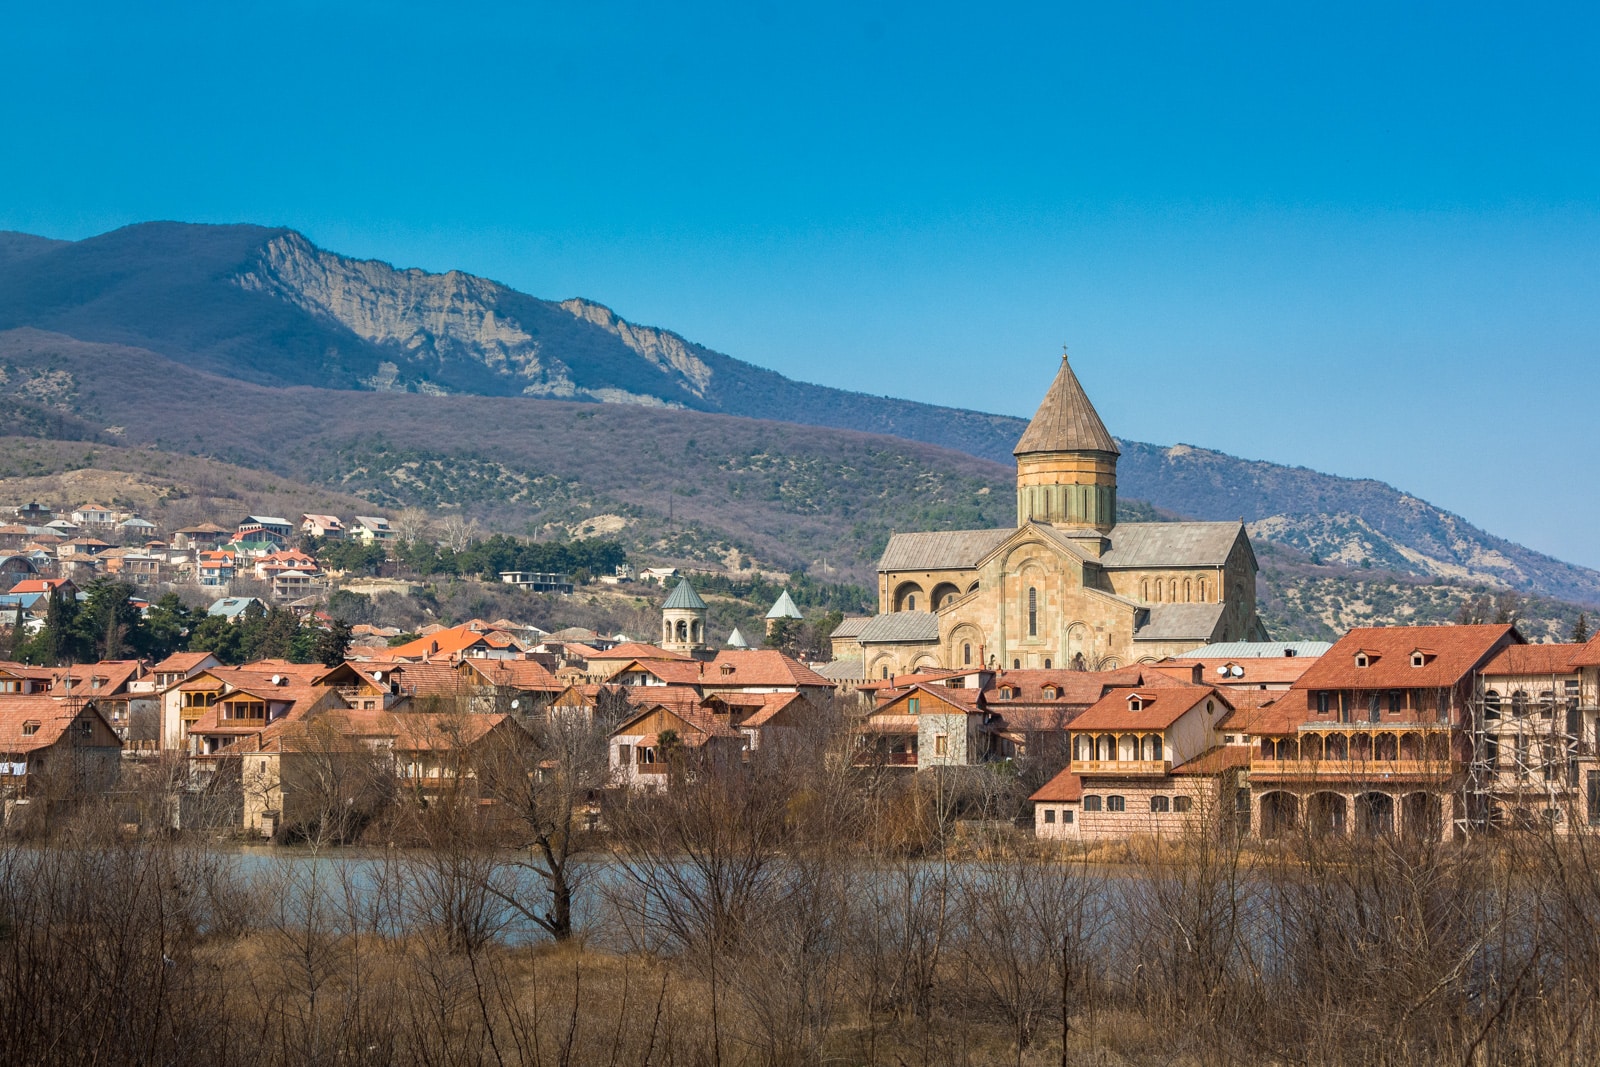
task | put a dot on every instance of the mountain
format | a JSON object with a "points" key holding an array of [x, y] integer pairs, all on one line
{"points": [[245, 305]]}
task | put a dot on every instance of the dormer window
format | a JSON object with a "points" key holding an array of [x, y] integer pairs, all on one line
{"points": [[30, 728], [1135, 702], [1362, 659], [1421, 657]]}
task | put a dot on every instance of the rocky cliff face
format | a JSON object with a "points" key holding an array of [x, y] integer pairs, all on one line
{"points": [[455, 326]]}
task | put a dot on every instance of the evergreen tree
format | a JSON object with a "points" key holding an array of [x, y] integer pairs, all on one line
{"points": [[109, 626], [332, 644], [168, 626], [1580, 629]]}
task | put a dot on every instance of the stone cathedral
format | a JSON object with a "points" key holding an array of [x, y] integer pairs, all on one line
{"points": [[1069, 588]]}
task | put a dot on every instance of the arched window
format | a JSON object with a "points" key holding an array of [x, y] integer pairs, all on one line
{"points": [[1144, 590], [1078, 662], [1116, 803], [1202, 590], [1154, 748], [1519, 703], [1033, 612], [1491, 704], [1159, 803], [1182, 803], [1158, 590], [1047, 664], [1016, 664], [966, 654], [1174, 590], [1091, 803], [1187, 591], [911, 602]]}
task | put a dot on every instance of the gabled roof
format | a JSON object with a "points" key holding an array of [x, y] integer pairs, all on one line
{"points": [[1066, 421], [1457, 652], [732, 668], [683, 597], [450, 642], [1064, 788], [181, 662], [1256, 671], [900, 626], [784, 608], [1163, 706], [1171, 544], [52, 714], [514, 673], [940, 551], [1072, 688]]}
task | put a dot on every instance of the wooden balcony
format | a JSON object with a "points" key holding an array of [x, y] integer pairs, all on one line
{"points": [[1351, 770], [1126, 768], [649, 768]]}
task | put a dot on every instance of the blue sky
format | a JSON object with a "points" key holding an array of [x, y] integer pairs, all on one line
{"points": [[1366, 240]]}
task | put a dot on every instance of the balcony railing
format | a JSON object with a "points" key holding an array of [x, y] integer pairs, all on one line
{"points": [[1348, 769], [1136, 767]]}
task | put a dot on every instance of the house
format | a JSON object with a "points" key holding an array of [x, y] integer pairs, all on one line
{"points": [[372, 529], [602, 664], [110, 684], [249, 703], [460, 642], [135, 527], [94, 515], [168, 675], [233, 608], [1533, 756], [1150, 761], [538, 581], [50, 744], [664, 736], [327, 527], [81, 546], [215, 567], [290, 573], [432, 755], [733, 670], [34, 514], [519, 687], [201, 536], [1377, 736], [1056, 807], [14, 570], [139, 568], [1237, 672], [264, 528]]}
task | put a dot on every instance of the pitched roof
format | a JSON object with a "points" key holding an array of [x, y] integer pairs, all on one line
{"points": [[736, 639], [1072, 688], [1588, 656], [1181, 622], [1452, 653], [733, 668], [899, 626], [181, 662], [1066, 421], [784, 608], [1260, 649], [1064, 788], [1171, 544], [939, 551], [1163, 706], [1215, 760], [449, 642], [1534, 659], [515, 673], [842, 670], [635, 650], [52, 714], [683, 597], [1256, 671]]}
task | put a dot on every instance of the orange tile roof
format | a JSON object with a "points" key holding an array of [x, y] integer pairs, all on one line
{"points": [[1455, 651], [1080, 688], [635, 650], [1163, 706], [1064, 788], [449, 642], [515, 673], [1534, 659], [52, 714], [1266, 670], [181, 662], [1216, 760], [117, 674]]}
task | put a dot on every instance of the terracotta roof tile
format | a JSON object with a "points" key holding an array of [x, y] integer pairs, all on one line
{"points": [[1064, 788], [1162, 706], [1454, 652]]}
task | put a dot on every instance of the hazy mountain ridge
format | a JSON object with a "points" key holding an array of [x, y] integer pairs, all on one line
{"points": [[267, 306]]}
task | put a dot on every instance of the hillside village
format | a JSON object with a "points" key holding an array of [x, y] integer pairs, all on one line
{"points": [[1113, 676]]}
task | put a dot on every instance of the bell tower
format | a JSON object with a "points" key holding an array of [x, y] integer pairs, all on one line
{"points": [[1067, 462], [683, 620]]}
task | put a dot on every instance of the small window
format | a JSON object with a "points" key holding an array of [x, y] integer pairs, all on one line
{"points": [[911, 705], [1160, 804], [1418, 659], [1116, 803], [1049, 814], [1135, 704], [1374, 708], [911, 602], [1016, 664], [1491, 704], [1182, 804], [1322, 703], [1066, 816], [1033, 612], [1397, 702], [1046, 664], [624, 754], [885, 674], [30, 728], [1091, 803], [941, 745], [966, 655], [1361, 659]]}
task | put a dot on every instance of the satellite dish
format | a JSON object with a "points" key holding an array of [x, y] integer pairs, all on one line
{"points": [[1222, 671], [277, 679], [515, 704], [377, 676], [1238, 671]]}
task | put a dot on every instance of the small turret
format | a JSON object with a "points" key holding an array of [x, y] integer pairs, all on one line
{"points": [[782, 608], [1067, 462], [683, 620]]}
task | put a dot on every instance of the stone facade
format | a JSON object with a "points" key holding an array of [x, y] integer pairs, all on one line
{"points": [[1069, 587]]}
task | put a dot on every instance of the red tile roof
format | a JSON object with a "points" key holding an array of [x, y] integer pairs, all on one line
{"points": [[634, 650], [52, 714], [1064, 788], [732, 669], [1535, 659], [1163, 706], [181, 662], [1453, 653], [513, 673], [1266, 670], [1216, 760]]}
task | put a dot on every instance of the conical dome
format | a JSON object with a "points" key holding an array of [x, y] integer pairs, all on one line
{"points": [[684, 596], [1066, 421]]}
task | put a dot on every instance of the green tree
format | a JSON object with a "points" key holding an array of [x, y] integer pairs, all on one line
{"points": [[109, 626], [331, 645], [57, 643], [1580, 629], [167, 627], [270, 635], [220, 636]]}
